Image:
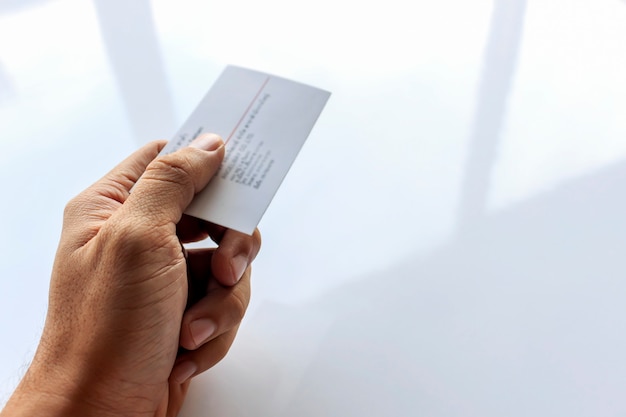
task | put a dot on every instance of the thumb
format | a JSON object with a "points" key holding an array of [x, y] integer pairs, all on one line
{"points": [[170, 182]]}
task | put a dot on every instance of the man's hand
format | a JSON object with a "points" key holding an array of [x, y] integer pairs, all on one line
{"points": [[133, 315]]}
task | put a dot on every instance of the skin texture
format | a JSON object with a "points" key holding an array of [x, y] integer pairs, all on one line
{"points": [[132, 315]]}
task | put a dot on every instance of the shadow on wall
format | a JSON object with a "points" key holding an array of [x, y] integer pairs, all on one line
{"points": [[521, 314], [494, 87], [132, 45]]}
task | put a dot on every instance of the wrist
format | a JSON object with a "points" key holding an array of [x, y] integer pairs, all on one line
{"points": [[60, 389], [29, 401], [42, 392]]}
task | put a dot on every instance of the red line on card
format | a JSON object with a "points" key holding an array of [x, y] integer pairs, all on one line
{"points": [[247, 110]]}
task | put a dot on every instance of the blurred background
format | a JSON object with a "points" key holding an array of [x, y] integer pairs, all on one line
{"points": [[450, 241]]}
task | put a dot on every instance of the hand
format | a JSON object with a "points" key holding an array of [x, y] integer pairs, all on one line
{"points": [[132, 316]]}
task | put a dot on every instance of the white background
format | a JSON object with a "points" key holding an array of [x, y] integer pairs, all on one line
{"points": [[450, 241]]}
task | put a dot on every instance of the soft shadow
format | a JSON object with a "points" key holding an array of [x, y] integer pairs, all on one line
{"points": [[521, 314], [132, 46], [495, 85], [16, 5]]}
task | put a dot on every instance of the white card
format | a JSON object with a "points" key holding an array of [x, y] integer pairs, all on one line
{"points": [[264, 121]]}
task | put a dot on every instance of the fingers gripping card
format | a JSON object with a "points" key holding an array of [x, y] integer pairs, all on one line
{"points": [[264, 121]]}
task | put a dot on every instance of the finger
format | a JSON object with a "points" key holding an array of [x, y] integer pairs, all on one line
{"points": [[96, 204], [170, 182], [193, 363], [235, 253], [124, 176], [218, 312], [116, 184], [216, 232], [179, 382]]}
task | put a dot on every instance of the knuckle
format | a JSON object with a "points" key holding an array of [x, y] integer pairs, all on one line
{"points": [[175, 168], [74, 208], [126, 238]]}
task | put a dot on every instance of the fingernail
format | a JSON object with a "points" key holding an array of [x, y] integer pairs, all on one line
{"points": [[207, 142], [238, 266], [201, 330], [183, 371]]}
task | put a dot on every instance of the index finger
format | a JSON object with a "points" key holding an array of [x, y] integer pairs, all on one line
{"points": [[170, 182], [234, 253]]}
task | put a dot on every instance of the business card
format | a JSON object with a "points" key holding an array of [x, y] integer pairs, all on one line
{"points": [[264, 121]]}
